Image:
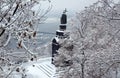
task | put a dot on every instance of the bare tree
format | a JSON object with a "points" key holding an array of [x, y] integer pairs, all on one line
{"points": [[20, 19]]}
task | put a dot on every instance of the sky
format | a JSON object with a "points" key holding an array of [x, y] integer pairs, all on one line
{"points": [[72, 6]]}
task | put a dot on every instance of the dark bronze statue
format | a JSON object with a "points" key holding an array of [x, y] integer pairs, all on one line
{"points": [[64, 17]]}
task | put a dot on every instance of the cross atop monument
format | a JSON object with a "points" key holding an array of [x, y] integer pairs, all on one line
{"points": [[65, 10]]}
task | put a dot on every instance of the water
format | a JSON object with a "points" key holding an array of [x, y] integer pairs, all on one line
{"points": [[45, 34], [49, 29]]}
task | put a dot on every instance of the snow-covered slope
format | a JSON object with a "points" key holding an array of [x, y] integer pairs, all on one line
{"points": [[38, 69], [41, 69]]}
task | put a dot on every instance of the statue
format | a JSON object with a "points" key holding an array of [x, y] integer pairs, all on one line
{"points": [[64, 17]]}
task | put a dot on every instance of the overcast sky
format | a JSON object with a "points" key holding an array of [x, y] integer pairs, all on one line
{"points": [[72, 6]]}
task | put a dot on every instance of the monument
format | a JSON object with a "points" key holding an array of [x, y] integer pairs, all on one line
{"points": [[60, 34]]}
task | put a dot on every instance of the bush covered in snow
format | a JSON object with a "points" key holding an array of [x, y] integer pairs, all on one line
{"points": [[96, 43]]}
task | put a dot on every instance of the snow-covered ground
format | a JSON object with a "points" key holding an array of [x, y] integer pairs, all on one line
{"points": [[41, 68]]}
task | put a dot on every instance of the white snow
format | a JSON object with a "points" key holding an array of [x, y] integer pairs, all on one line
{"points": [[66, 31], [39, 69], [57, 39]]}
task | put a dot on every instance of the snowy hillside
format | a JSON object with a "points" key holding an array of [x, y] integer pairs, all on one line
{"points": [[37, 69]]}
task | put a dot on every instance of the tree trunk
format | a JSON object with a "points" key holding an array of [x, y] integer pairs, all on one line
{"points": [[82, 68]]}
